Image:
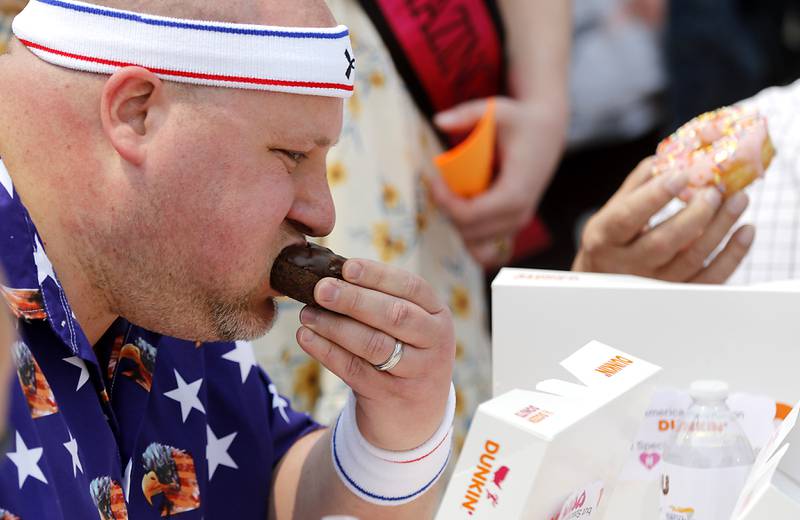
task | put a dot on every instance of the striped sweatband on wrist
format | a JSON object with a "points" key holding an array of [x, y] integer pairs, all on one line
{"points": [[389, 478], [91, 38]]}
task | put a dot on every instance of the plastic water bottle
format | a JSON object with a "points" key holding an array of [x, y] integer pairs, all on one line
{"points": [[706, 464]]}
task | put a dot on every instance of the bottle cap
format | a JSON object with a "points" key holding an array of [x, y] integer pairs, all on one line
{"points": [[706, 390]]}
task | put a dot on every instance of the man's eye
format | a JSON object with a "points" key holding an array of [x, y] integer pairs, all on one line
{"points": [[294, 156]]}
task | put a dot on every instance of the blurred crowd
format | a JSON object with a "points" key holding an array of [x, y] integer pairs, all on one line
{"points": [[640, 69]]}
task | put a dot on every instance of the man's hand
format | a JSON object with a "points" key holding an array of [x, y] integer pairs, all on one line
{"points": [[618, 239], [530, 138], [378, 304]]}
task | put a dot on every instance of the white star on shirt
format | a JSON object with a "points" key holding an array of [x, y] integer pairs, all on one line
{"points": [[242, 354], [72, 447], [5, 180], [217, 452], [43, 266], [78, 362], [27, 462], [186, 395], [279, 402], [126, 480]]}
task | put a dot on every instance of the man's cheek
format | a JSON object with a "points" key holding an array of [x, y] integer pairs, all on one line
{"points": [[240, 236], [239, 251]]}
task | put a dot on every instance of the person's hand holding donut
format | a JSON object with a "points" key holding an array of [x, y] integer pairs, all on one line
{"points": [[618, 238]]}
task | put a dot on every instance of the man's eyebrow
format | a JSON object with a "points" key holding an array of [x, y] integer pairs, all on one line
{"points": [[324, 142]]}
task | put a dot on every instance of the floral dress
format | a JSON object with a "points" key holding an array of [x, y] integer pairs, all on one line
{"points": [[377, 176]]}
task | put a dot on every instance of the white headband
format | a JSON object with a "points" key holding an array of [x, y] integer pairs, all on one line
{"points": [[76, 35]]}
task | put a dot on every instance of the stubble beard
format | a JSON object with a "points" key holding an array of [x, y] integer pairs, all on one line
{"points": [[170, 305], [235, 319]]}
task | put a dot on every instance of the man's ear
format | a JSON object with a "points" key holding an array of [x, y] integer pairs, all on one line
{"points": [[131, 108]]}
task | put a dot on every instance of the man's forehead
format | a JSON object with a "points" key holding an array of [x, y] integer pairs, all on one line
{"points": [[300, 119], [305, 13]]}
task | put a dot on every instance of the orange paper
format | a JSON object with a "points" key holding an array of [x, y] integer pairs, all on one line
{"points": [[782, 411], [467, 168]]}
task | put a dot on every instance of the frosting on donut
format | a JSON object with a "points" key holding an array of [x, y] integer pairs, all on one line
{"points": [[716, 145]]}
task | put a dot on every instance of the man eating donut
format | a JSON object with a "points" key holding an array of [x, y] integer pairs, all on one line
{"points": [[156, 158]]}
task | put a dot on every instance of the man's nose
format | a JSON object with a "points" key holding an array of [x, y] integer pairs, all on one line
{"points": [[312, 210]]}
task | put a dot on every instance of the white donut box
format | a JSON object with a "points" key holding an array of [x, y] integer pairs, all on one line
{"points": [[747, 336]]}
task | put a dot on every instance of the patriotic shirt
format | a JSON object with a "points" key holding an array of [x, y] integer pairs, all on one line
{"points": [[140, 426]]}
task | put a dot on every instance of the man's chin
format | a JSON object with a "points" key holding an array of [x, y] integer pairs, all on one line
{"points": [[233, 323], [267, 312]]}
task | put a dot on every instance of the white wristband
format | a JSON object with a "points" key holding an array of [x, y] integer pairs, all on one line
{"points": [[389, 478]]}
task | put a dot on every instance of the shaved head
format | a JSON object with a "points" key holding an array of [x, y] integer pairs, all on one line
{"points": [[302, 13], [166, 203], [288, 13]]}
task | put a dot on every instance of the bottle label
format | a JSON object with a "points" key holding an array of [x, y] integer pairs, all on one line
{"points": [[699, 493]]}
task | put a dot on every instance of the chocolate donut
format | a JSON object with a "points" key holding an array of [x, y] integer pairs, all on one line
{"points": [[298, 268]]}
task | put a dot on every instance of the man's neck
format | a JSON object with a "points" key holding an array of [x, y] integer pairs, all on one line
{"points": [[51, 184], [87, 301]]}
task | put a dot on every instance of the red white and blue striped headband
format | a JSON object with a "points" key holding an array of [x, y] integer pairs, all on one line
{"points": [[86, 37]]}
